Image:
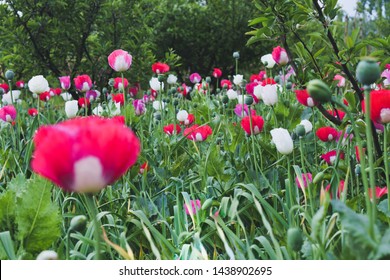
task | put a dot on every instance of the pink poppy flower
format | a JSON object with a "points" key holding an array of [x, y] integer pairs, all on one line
{"points": [[120, 60], [226, 84], [195, 78], [340, 189], [20, 84], [83, 83], [139, 106], [198, 133], [85, 158], [280, 55], [65, 82], [304, 98], [118, 83], [340, 79], [170, 129], [32, 112], [118, 98], [8, 113], [217, 73], [330, 157], [190, 120], [83, 102], [379, 192], [306, 177]]}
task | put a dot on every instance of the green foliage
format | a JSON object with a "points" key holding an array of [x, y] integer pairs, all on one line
{"points": [[27, 211]]}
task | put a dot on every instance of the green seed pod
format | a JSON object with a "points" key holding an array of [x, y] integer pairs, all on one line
{"points": [[236, 55], [157, 116], [367, 71], [294, 239], [289, 85], [161, 78], [111, 82], [248, 100], [225, 99], [208, 79], [319, 91], [318, 178], [300, 130], [277, 79], [78, 223], [9, 75], [175, 102], [358, 169]]}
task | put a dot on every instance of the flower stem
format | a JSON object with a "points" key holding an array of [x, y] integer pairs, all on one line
{"points": [[97, 231], [386, 161]]}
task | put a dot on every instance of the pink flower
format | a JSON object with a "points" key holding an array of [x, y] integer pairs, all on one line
{"points": [[83, 83], [341, 80], [198, 133], [78, 157], [195, 206], [8, 113], [195, 78], [118, 83], [160, 68], [139, 106], [379, 192], [217, 73], [226, 84], [32, 112], [304, 98], [386, 75], [239, 110], [83, 102], [144, 167], [120, 60], [257, 124], [190, 120], [4, 87], [306, 177], [330, 157], [340, 189], [280, 55], [65, 82], [92, 94]]}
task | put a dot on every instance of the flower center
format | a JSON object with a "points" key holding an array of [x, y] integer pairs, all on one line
{"points": [[88, 175]]}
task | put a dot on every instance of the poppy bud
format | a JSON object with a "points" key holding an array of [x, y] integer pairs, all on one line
{"points": [[294, 239], [236, 55], [225, 99], [208, 79], [318, 178], [358, 169], [206, 205], [9, 75], [319, 91], [367, 71], [300, 130], [248, 100], [161, 78], [78, 223]]}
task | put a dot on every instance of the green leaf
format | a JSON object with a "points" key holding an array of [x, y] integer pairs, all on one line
{"points": [[7, 245], [383, 207], [7, 209], [37, 216], [384, 247]]}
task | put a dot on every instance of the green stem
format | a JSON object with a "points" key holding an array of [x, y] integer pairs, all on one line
{"points": [[97, 231], [124, 97], [386, 161]]}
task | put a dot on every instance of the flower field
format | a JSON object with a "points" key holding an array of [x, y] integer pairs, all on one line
{"points": [[219, 167]]}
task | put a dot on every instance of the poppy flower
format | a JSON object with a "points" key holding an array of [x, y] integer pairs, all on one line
{"points": [[379, 192], [327, 133], [340, 188], [83, 102], [217, 73], [238, 79], [19, 84], [304, 98], [257, 124], [118, 83], [160, 68], [280, 55], [198, 133], [32, 112], [194, 207], [71, 108], [118, 98], [241, 110], [38, 84], [226, 84], [340, 79], [338, 114], [133, 91], [306, 179], [195, 78], [44, 96], [282, 140], [92, 94], [170, 129], [190, 120], [183, 90], [83, 83], [182, 115], [269, 94], [120, 60], [144, 167], [4, 87], [8, 113], [85, 159], [380, 105], [330, 157], [268, 60], [172, 79], [65, 82], [139, 106]]}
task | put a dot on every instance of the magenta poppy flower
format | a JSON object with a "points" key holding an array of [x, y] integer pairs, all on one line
{"points": [[20, 84], [139, 106], [226, 84], [195, 78], [8, 113], [65, 82], [118, 83], [380, 106], [379, 192], [83, 83], [160, 68], [239, 110], [340, 79], [340, 189], [92, 94], [120, 60], [90, 153], [118, 98], [195, 206], [306, 177]]}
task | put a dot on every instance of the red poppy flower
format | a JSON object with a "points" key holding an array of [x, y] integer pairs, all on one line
{"points": [[160, 68], [90, 153], [119, 119], [338, 114], [4, 87], [304, 98], [330, 157], [83, 102], [268, 81], [170, 130], [183, 90], [327, 133], [198, 133], [379, 192], [144, 167], [217, 73], [83, 83], [32, 112], [19, 84], [44, 96], [340, 189], [118, 98], [380, 105], [55, 91], [190, 120], [257, 124]]}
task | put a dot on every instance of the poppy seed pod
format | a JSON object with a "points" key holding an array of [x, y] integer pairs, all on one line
{"points": [[78, 223], [9, 75], [294, 239], [319, 91], [367, 71]]}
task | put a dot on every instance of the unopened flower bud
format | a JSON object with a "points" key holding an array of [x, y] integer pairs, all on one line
{"points": [[367, 71], [78, 223], [300, 130], [236, 55], [319, 91], [9, 75]]}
